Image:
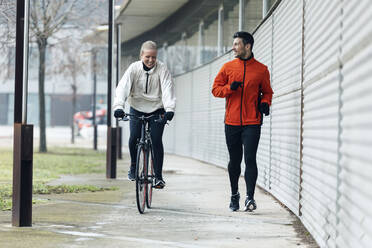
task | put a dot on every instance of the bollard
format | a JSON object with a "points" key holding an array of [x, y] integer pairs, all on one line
{"points": [[111, 152], [95, 136], [119, 142], [22, 175]]}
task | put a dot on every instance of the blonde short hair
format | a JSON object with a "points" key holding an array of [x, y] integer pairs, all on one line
{"points": [[148, 45]]}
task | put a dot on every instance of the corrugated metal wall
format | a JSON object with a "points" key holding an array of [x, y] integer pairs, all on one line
{"points": [[217, 146], [286, 104], [199, 115], [263, 44], [320, 119], [314, 152], [354, 206], [183, 121]]}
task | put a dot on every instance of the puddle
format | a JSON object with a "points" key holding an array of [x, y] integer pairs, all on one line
{"points": [[101, 223], [82, 239], [60, 226], [95, 227], [83, 234]]}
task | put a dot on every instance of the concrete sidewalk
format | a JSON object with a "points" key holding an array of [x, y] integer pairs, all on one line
{"points": [[192, 211]]}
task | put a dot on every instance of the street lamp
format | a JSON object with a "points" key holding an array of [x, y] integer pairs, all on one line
{"points": [[23, 133], [118, 60], [94, 71], [111, 148]]}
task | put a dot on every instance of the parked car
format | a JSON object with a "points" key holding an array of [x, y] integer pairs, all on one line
{"points": [[85, 118]]}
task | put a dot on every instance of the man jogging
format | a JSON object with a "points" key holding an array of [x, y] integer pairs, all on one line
{"points": [[245, 83]]}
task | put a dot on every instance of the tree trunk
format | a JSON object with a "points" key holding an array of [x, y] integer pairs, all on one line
{"points": [[42, 43]]}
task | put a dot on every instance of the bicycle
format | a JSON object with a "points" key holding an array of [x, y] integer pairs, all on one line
{"points": [[145, 179]]}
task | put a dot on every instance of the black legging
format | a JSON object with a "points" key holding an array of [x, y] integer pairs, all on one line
{"points": [[156, 130], [236, 138]]}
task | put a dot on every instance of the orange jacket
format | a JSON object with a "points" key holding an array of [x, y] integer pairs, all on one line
{"points": [[242, 104]]}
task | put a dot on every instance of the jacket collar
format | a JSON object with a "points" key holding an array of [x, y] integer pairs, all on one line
{"points": [[248, 61], [250, 57], [148, 71]]}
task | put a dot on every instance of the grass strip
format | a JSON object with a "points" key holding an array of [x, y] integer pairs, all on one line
{"points": [[49, 166], [43, 189]]}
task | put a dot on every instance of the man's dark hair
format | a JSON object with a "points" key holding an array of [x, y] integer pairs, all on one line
{"points": [[246, 37]]}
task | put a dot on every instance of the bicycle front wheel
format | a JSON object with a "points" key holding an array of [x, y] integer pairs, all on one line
{"points": [[141, 171], [151, 178]]}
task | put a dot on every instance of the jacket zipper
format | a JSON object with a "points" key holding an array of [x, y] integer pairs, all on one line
{"points": [[147, 81], [241, 100]]}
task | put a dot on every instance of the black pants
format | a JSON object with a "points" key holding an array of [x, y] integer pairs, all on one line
{"points": [[238, 137], [156, 131]]}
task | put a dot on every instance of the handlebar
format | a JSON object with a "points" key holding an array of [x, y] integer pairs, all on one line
{"points": [[141, 118]]}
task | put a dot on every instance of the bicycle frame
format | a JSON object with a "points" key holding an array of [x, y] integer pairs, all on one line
{"points": [[144, 179], [146, 143]]}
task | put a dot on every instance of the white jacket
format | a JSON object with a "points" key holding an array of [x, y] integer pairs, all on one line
{"points": [[146, 91]]}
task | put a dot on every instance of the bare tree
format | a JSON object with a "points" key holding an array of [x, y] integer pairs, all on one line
{"points": [[7, 35], [49, 17], [7, 22], [72, 64]]}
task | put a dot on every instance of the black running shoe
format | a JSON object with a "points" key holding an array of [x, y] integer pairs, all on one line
{"points": [[159, 183], [234, 203], [131, 173], [250, 205]]}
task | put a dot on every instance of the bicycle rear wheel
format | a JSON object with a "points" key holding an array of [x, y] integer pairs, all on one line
{"points": [[141, 170], [151, 178]]}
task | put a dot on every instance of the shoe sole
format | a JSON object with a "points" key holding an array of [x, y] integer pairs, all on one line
{"points": [[159, 187], [246, 209]]}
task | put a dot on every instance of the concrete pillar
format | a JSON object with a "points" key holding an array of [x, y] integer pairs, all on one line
{"points": [[186, 60], [166, 59], [241, 15], [220, 49], [201, 42], [265, 7]]}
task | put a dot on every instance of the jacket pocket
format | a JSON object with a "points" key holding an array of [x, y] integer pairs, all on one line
{"points": [[250, 112]]}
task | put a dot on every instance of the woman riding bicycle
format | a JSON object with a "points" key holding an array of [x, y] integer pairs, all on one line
{"points": [[148, 86]]}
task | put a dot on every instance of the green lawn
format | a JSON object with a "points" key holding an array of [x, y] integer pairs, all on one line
{"points": [[49, 166]]}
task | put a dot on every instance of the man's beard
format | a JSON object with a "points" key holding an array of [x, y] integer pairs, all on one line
{"points": [[242, 55]]}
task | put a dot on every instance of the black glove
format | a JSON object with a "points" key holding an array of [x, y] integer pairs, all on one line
{"points": [[235, 85], [119, 113], [265, 108], [168, 116]]}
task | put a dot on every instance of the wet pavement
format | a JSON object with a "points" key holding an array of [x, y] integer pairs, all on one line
{"points": [[192, 211]]}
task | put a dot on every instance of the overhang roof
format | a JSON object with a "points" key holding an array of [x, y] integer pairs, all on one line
{"points": [[166, 20], [137, 17], [160, 20], [140, 16]]}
